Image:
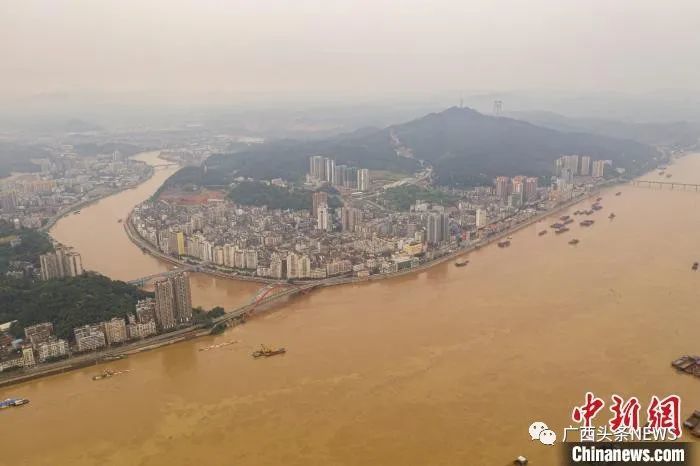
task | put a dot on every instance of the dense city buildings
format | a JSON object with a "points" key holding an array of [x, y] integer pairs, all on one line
{"points": [[365, 235], [66, 179]]}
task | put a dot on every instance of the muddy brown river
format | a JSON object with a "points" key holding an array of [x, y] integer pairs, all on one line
{"points": [[446, 367]]}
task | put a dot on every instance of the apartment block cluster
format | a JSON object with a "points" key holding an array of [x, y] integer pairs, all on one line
{"points": [[324, 170], [171, 308], [572, 169], [516, 191], [62, 262], [65, 179]]}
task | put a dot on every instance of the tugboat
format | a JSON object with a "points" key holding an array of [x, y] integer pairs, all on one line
{"points": [[542, 233], [503, 244], [573, 242], [695, 266], [461, 263], [264, 351]]}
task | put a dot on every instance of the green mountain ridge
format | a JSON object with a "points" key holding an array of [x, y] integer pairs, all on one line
{"points": [[465, 147]]}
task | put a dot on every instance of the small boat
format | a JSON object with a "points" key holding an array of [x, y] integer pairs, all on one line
{"points": [[115, 357], [542, 233], [587, 223], [612, 215], [144, 249], [564, 217], [107, 373], [668, 175], [599, 199], [561, 230], [574, 242], [503, 244], [695, 266], [76, 212], [619, 193], [13, 402], [119, 221], [520, 461], [556, 225], [264, 351], [661, 173], [461, 263], [569, 221]]}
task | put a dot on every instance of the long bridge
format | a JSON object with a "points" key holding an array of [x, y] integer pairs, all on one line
{"points": [[671, 184], [267, 295], [141, 281]]}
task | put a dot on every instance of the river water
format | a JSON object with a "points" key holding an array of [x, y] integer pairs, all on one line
{"points": [[446, 367]]}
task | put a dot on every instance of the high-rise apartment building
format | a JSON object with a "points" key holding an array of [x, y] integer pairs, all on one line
{"points": [[318, 199], [585, 165], [349, 217], [438, 228], [165, 305], [502, 187], [330, 171], [362, 179], [530, 189], [482, 218], [323, 220], [63, 262], [598, 168]]}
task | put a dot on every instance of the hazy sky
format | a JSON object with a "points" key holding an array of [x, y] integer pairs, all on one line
{"points": [[195, 46]]}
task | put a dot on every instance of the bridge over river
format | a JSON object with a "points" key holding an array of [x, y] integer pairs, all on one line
{"points": [[666, 184]]}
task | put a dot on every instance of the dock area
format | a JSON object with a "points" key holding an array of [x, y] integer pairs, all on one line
{"points": [[688, 364]]}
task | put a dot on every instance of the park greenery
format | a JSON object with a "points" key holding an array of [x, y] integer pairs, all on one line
{"points": [[402, 197], [275, 197], [66, 302], [32, 244]]}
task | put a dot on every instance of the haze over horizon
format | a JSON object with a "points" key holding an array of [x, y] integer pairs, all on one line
{"points": [[212, 48]]}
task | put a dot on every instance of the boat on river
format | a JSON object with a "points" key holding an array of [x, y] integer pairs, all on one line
{"points": [[503, 244], [574, 242], [695, 266], [461, 263], [542, 233], [266, 352], [561, 230], [13, 402]]}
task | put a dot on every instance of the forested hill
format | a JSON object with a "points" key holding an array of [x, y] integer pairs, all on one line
{"points": [[464, 146]]}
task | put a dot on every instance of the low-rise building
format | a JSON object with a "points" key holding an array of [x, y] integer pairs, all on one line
{"points": [[54, 348], [89, 337]]}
